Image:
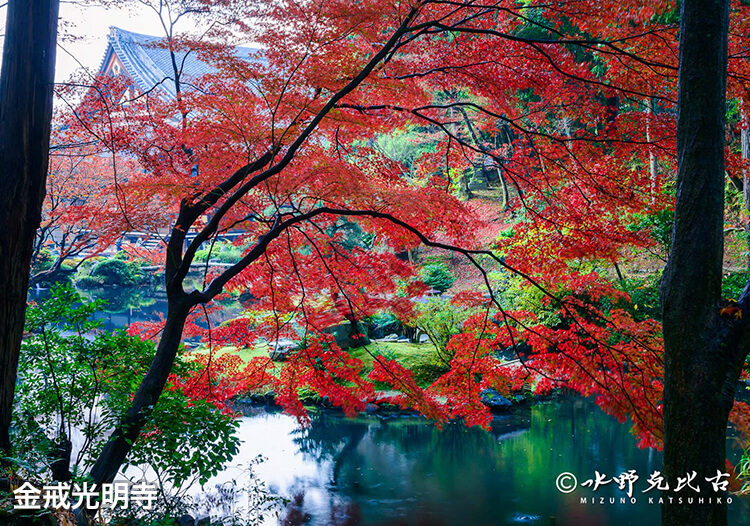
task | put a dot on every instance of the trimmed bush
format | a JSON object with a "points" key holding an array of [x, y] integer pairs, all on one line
{"points": [[117, 272], [89, 282], [438, 276]]}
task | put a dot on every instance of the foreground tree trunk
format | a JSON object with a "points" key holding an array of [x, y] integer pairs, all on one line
{"points": [[25, 114], [704, 349], [117, 448]]}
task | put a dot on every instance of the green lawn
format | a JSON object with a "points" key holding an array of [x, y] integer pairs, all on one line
{"points": [[407, 354], [417, 357]]}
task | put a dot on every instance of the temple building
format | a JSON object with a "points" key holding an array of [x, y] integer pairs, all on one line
{"points": [[147, 63]]}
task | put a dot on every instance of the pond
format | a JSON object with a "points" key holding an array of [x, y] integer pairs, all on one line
{"points": [[127, 305], [380, 470], [402, 470]]}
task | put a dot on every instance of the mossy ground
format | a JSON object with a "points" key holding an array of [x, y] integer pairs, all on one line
{"points": [[419, 358]]}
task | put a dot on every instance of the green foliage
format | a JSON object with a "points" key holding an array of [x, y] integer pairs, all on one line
{"points": [[660, 227], [519, 295], [118, 272], [51, 397], [733, 284], [437, 275], [83, 277], [440, 320], [644, 297], [98, 272], [406, 146], [223, 252], [186, 439], [743, 472], [76, 379], [68, 266], [84, 269], [44, 260]]}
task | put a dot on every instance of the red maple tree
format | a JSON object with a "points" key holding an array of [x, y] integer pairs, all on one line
{"points": [[574, 108]]}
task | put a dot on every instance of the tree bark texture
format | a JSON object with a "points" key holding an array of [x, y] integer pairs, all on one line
{"points": [[121, 441], [704, 350], [26, 82]]}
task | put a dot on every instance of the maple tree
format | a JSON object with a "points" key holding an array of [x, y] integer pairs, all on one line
{"points": [[282, 149], [80, 215]]}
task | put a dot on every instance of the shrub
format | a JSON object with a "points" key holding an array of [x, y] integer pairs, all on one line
{"points": [[230, 253], [89, 282], [733, 284], [438, 276], [223, 252], [43, 261], [73, 378], [117, 272], [84, 269], [440, 320], [383, 324], [644, 297]]}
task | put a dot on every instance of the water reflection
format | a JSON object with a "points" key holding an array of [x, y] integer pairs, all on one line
{"points": [[128, 305], [394, 471], [404, 471]]}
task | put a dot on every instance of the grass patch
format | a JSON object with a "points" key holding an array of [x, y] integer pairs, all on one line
{"points": [[416, 357]]}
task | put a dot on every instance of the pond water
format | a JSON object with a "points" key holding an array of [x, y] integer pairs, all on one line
{"points": [[403, 470], [127, 305]]}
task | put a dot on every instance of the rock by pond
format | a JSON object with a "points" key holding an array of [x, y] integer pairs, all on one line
{"points": [[495, 401]]}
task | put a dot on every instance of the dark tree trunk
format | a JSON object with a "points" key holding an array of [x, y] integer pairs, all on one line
{"points": [[60, 459], [113, 455], [704, 350], [25, 114]]}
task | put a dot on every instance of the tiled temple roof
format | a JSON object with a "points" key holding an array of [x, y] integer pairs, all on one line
{"points": [[149, 65]]}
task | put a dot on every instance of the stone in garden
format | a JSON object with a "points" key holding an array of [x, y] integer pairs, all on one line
{"points": [[281, 349], [344, 335], [495, 401]]}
